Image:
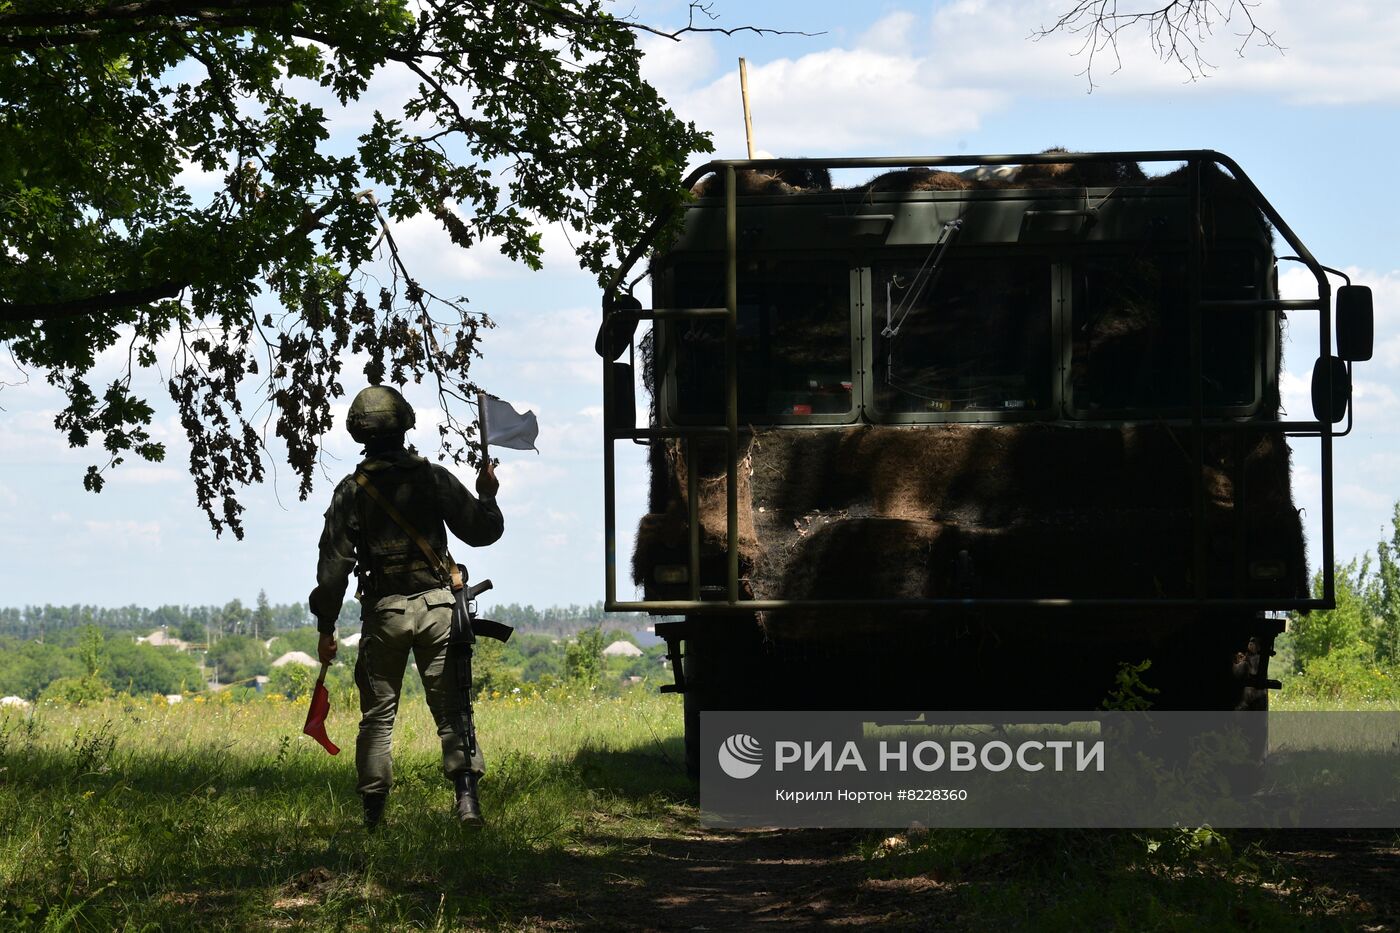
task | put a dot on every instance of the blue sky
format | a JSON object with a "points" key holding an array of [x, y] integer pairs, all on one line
{"points": [[1312, 126]]}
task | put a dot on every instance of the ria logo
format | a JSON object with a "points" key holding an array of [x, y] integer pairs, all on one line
{"points": [[740, 756]]}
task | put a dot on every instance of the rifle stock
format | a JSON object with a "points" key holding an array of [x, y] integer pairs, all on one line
{"points": [[486, 628]]}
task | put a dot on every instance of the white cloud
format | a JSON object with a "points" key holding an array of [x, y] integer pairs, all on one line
{"points": [[1377, 406], [147, 474], [526, 480], [835, 100], [431, 256], [1338, 53], [1375, 381], [547, 346], [1382, 465], [1365, 498], [121, 534], [892, 33], [909, 79], [199, 183], [1307, 484], [29, 436], [671, 66], [1295, 393], [387, 92], [1388, 352]]}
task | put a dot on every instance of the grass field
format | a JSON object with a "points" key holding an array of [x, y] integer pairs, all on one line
{"points": [[138, 815], [133, 815]]}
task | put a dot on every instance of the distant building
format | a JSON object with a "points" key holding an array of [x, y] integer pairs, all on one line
{"points": [[172, 698], [622, 649], [296, 657], [162, 639]]}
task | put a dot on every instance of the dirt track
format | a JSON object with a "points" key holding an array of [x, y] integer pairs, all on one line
{"points": [[719, 880], [710, 880]]}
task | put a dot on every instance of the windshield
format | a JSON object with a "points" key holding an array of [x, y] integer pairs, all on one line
{"points": [[975, 337]]}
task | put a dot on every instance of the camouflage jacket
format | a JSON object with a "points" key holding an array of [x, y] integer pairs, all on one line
{"points": [[359, 536]]}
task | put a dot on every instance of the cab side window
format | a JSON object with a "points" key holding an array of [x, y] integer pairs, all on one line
{"points": [[1131, 334], [794, 339]]}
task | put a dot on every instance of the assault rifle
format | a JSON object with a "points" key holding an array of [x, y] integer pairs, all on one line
{"points": [[466, 626]]}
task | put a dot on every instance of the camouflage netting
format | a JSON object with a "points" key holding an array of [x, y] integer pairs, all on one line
{"points": [[983, 510], [802, 179], [992, 511], [666, 527]]}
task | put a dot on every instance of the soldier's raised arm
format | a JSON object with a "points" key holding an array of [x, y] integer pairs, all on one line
{"points": [[478, 522]]}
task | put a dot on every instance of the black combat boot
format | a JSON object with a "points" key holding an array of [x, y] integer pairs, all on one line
{"points": [[374, 809], [468, 807]]}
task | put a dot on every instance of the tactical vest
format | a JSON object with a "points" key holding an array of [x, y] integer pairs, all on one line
{"points": [[390, 562]]}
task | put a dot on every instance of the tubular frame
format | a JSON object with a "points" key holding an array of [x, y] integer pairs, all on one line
{"points": [[1195, 160]]}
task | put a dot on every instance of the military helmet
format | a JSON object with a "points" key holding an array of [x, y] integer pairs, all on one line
{"points": [[378, 411]]}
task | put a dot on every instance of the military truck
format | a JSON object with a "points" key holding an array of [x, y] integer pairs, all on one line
{"points": [[973, 434]]}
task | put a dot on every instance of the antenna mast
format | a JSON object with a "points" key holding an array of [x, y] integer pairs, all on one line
{"points": [[744, 92]]}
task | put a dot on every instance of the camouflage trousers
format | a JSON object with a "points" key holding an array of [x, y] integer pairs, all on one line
{"points": [[394, 626]]}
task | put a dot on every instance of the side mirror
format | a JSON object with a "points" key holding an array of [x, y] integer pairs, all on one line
{"points": [[1356, 323], [624, 397], [1331, 408], [618, 327]]}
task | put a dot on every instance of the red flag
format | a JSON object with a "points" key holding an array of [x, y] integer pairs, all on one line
{"points": [[316, 716]]}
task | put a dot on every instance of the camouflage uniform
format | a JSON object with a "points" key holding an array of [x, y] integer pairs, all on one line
{"points": [[404, 605]]}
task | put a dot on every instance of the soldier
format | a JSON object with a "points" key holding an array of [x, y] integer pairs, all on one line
{"points": [[406, 602]]}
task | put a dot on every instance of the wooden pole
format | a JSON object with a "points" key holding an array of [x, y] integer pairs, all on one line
{"points": [[481, 427], [744, 92]]}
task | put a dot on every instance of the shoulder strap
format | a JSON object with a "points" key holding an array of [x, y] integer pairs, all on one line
{"points": [[452, 573]]}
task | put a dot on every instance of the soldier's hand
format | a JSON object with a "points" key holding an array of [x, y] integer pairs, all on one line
{"points": [[486, 483], [327, 647]]}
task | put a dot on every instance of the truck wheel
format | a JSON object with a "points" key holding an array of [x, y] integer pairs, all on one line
{"points": [[1250, 667]]}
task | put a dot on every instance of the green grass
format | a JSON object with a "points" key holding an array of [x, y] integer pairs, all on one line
{"points": [[135, 815], [132, 815], [1297, 702], [1072, 880]]}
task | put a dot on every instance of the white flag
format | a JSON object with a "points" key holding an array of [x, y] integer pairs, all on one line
{"points": [[506, 427]]}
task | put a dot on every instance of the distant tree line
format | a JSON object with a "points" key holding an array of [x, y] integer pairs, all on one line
{"points": [[564, 620], [206, 624], [195, 624], [85, 652], [87, 664]]}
